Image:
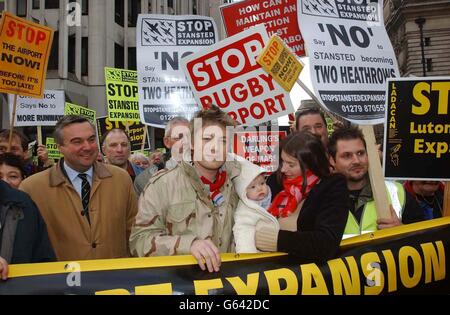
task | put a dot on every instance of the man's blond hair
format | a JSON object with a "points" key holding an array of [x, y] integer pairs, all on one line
{"points": [[212, 116]]}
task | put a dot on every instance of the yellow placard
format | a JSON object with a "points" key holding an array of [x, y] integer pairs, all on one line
{"points": [[122, 94], [73, 109], [278, 60], [52, 149], [24, 50]]}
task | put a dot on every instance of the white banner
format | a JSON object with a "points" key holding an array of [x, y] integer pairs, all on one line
{"points": [[36, 111], [162, 40], [351, 56], [227, 75]]}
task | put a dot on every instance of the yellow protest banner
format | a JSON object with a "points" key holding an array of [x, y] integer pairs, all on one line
{"points": [[122, 94], [73, 109], [52, 149], [278, 60], [25, 47]]}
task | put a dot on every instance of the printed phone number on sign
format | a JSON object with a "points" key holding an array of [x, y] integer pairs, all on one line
{"points": [[362, 108]]}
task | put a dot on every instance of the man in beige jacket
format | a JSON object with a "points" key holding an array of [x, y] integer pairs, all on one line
{"points": [[189, 209], [88, 206]]}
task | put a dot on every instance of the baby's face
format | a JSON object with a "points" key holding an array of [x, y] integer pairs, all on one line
{"points": [[257, 190]]}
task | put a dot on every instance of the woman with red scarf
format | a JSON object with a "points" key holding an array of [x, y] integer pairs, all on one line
{"points": [[312, 209]]}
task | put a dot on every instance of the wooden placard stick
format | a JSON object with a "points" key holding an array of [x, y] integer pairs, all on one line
{"points": [[144, 137], [13, 119], [39, 135], [447, 200], [379, 193]]}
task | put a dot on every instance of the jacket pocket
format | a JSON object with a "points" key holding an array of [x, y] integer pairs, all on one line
{"points": [[181, 213]]}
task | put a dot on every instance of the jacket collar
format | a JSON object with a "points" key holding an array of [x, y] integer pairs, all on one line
{"points": [[57, 177], [232, 168], [9, 194]]}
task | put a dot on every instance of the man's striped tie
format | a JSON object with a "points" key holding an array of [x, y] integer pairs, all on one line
{"points": [[85, 193]]}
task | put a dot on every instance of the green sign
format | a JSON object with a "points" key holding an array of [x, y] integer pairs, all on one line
{"points": [[52, 149], [122, 94], [72, 109], [330, 127]]}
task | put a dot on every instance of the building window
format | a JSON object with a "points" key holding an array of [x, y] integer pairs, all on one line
{"points": [[194, 6], [36, 4], [52, 4], [134, 8], [22, 8], [71, 56], [119, 12], [427, 41], [118, 56], [84, 56], [171, 7], [85, 7], [53, 59], [132, 58], [429, 64]]}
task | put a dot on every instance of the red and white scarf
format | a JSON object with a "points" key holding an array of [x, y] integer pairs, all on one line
{"points": [[214, 188], [286, 202]]}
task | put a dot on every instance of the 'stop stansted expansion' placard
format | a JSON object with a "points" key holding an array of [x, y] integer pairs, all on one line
{"points": [[350, 54], [161, 42]]}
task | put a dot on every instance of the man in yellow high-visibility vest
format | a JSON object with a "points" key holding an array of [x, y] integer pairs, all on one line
{"points": [[348, 155]]}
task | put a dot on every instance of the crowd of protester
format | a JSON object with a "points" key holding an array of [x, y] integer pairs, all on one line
{"points": [[197, 198]]}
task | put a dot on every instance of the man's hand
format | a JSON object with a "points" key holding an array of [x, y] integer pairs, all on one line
{"points": [[206, 251], [42, 154], [3, 269], [388, 223]]}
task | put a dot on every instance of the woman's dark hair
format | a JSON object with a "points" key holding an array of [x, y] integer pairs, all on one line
{"points": [[13, 160], [310, 153]]}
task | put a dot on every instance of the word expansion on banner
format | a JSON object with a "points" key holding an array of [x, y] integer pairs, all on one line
{"points": [[279, 17], [369, 273], [227, 75], [25, 47]]}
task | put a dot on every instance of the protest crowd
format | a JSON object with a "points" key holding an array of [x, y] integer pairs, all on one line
{"points": [[206, 202], [92, 192]]}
